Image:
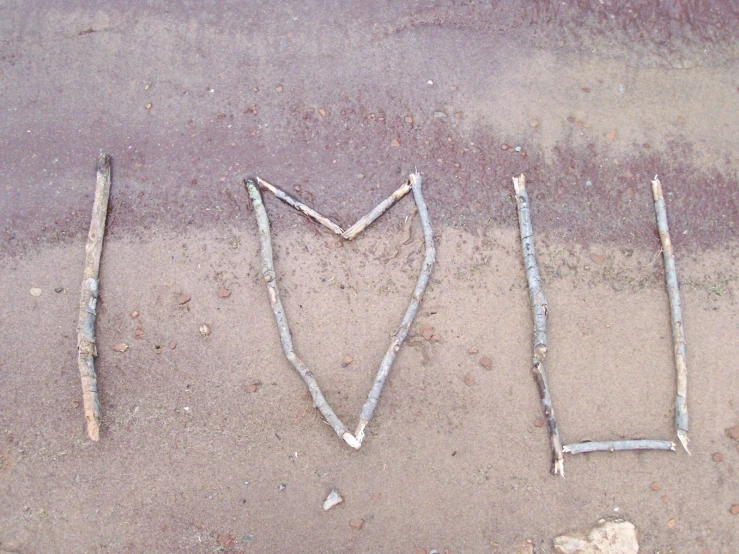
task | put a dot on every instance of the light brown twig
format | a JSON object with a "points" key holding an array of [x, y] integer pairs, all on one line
{"points": [[539, 310], [86, 347], [676, 318]]}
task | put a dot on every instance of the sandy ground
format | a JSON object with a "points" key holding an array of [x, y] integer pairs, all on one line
{"points": [[337, 100]]}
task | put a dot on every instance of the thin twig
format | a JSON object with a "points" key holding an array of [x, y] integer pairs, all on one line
{"points": [[366, 220], [678, 334], [268, 271], [539, 310], [612, 446], [399, 336], [86, 347], [310, 212]]}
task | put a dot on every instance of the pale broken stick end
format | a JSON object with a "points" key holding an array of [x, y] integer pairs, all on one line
{"points": [[351, 440], [559, 467], [519, 183], [93, 427], [684, 439]]}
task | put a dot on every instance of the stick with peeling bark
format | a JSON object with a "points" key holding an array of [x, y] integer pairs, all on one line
{"points": [[612, 446], [86, 347], [268, 272], [676, 317], [310, 212], [367, 220], [399, 336], [539, 309]]}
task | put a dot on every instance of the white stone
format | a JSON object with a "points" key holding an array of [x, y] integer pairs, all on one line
{"points": [[609, 537]]}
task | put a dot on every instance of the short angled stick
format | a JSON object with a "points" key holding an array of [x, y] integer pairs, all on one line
{"points": [[539, 310], [676, 318], [310, 212], [377, 211], [613, 446], [415, 182], [86, 347], [268, 272]]}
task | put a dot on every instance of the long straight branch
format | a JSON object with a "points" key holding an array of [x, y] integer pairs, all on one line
{"points": [[86, 348], [399, 336], [539, 311], [310, 212], [612, 446], [676, 318], [268, 271], [366, 220]]}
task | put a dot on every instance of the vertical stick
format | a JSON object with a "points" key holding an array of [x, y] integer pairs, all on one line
{"points": [[676, 318], [539, 310], [268, 271], [86, 348], [423, 278]]}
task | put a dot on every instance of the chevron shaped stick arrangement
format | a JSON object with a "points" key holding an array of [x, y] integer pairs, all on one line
{"points": [[268, 271]]}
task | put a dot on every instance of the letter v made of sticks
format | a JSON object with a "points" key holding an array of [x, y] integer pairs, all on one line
{"points": [[268, 271], [539, 310]]}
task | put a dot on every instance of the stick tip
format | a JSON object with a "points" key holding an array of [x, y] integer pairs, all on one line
{"points": [[559, 468], [93, 430], [351, 440], [519, 183], [684, 439], [103, 162]]}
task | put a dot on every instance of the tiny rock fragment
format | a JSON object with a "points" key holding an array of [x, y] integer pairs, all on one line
{"points": [[670, 523], [539, 422], [138, 333], [120, 347], [435, 337], [655, 486], [598, 259], [224, 293], [227, 541], [420, 550], [75, 404], [395, 143], [473, 350], [148, 106], [134, 314], [297, 188], [586, 90], [486, 362], [534, 123], [610, 135], [147, 86], [332, 499], [281, 487], [254, 387], [680, 119], [205, 329], [571, 118], [322, 112], [356, 523], [183, 299], [35, 292], [526, 547], [360, 175], [469, 380], [408, 119], [439, 115], [717, 457], [346, 361], [734, 509], [458, 115], [172, 345], [609, 537], [58, 289], [278, 88], [427, 332], [504, 146], [734, 432]]}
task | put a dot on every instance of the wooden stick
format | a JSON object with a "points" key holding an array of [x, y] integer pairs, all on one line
{"points": [[268, 271], [86, 348], [310, 212], [539, 310], [612, 446], [678, 333], [365, 221], [399, 336]]}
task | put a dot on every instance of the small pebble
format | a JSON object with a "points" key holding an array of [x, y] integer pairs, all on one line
{"points": [[435, 337], [717, 457], [121, 347], [539, 422], [571, 118], [205, 329], [473, 350], [346, 361], [134, 315], [172, 346], [247, 538], [458, 115], [486, 362], [655, 486], [534, 123], [734, 432], [75, 404], [333, 498], [278, 88], [420, 550], [469, 380], [598, 258], [734, 509], [183, 299], [517, 149], [439, 115], [408, 119], [35, 292], [224, 293], [671, 523], [610, 135], [254, 387], [356, 523], [148, 106], [504, 147], [138, 333], [58, 289], [395, 143], [281, 487], [360, 176], [322, 112]]}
